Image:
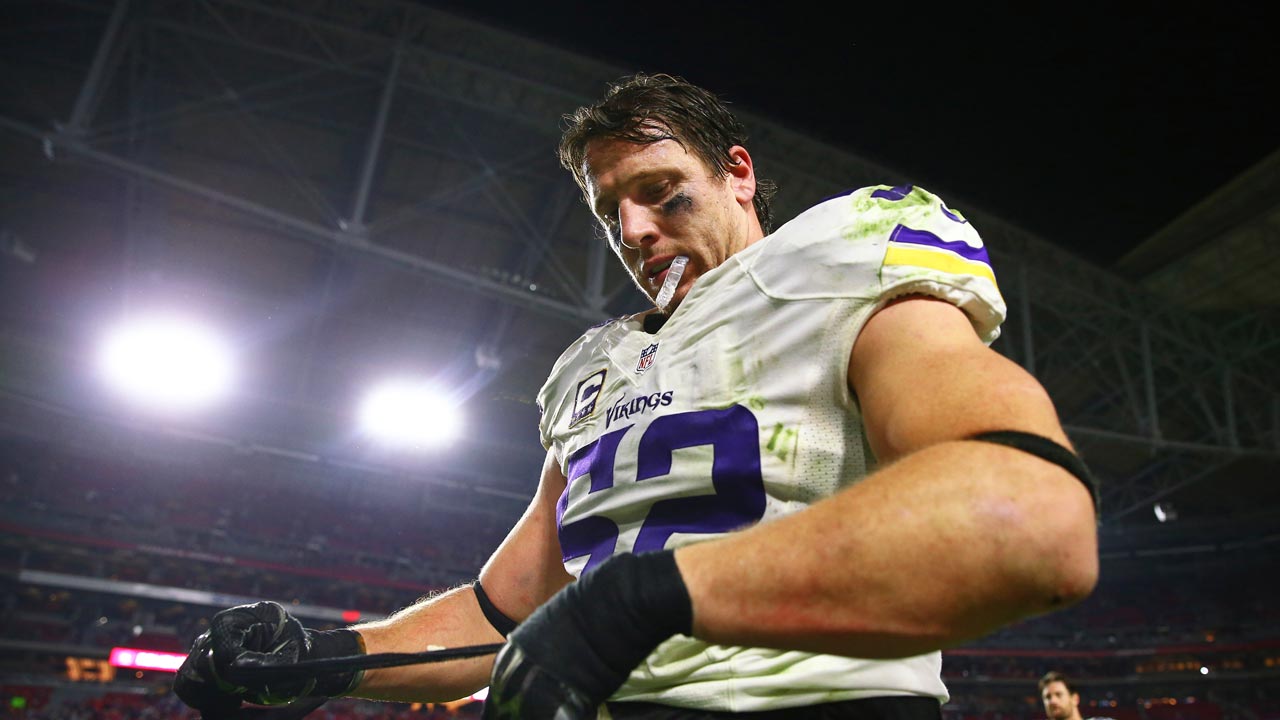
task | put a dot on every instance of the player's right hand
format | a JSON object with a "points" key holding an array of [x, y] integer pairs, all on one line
{"points": [[263, 634], [198, 686]]}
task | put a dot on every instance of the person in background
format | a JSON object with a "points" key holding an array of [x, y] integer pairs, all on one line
{"points": [[1061, 701]]}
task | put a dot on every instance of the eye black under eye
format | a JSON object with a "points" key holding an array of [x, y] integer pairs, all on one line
{"points": [[678, 203]]}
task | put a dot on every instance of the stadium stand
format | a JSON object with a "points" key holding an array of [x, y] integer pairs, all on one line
{"points": [[80, 579]]}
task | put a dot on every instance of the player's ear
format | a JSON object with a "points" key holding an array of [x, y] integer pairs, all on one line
{"points": [[742, 175]]}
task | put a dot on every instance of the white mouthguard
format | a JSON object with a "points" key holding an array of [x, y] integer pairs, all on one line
{"points": [[673, 279]]}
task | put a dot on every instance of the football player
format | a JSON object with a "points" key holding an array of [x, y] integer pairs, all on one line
{"points": [[781, 490]]}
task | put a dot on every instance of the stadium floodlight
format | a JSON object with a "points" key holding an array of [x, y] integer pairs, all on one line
{"points": [[409, 413], [167, 363]]}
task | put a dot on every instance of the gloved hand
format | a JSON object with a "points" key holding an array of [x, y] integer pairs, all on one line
{"points": [[260, 635], [575, 651]]}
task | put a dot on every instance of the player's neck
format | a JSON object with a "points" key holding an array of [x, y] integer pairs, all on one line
{"points": [[654, 321]]}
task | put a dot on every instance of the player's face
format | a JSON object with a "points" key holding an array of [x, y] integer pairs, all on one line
{"points": [[657, 202], [1058, 703]]}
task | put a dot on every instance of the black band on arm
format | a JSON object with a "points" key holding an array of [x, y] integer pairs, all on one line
{"points": [[1043, 447], [496, 617]]}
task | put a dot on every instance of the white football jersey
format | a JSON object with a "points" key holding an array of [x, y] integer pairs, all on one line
{"points": [[738, 411]]}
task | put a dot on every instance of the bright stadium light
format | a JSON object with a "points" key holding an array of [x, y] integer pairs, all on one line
{"points": [[410, 413], [166, 363]]}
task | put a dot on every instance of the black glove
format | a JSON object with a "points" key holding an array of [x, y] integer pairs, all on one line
{"points": [[577, 649], [213, 679]]}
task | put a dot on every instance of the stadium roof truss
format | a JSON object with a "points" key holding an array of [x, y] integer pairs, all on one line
{"points": [[381, 168]]}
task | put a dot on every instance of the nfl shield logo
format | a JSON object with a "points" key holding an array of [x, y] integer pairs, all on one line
{"points": [[646, 358]]}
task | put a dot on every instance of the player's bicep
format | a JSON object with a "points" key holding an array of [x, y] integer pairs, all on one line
{"points": [[922, 376], [527, 568]]}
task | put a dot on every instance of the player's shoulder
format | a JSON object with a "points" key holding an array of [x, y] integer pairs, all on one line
{"points": [[836, 247], [873, 215]]}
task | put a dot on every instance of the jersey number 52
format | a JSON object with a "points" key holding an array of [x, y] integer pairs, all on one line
{"points": [[738, 498]]}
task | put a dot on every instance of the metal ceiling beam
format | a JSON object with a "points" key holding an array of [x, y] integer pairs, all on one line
{"points": [[309, 231], [359, 204], [488, 353], [1160, 480], [272, 30], [1180, 383], [91, 91], [277, 158]]}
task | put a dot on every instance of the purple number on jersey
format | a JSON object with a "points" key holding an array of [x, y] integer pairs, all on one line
{"points": [[738, 500], [595, 536]]}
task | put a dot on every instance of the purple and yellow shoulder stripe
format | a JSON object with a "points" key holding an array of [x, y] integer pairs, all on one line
{"points": [[925, 246]]}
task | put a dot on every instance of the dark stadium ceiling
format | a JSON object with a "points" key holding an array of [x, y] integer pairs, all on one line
{"points": [[352, 189], [1093, 127]]}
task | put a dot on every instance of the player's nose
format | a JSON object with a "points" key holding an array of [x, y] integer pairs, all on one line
{"points": [[636, 225]]}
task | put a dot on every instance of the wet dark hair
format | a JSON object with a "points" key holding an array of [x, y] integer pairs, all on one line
{"points": [[1055, 676], [645, 109]]}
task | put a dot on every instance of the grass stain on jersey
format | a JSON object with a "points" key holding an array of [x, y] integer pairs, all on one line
{"points": [[783, 442], [916, 197], [733, 370], [869, 220]]}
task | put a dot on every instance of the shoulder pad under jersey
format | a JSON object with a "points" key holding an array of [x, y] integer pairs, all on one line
{"points": [[878, 243]]}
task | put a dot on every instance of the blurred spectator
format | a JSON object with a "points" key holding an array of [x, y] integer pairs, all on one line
{"points": [[1061, 700], [1181, 638]]}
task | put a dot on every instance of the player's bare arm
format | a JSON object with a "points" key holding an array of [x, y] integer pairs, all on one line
{"points": [[948, 541], [522, 573]]}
